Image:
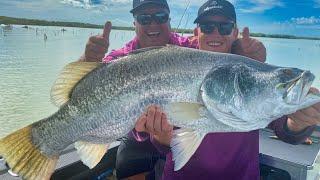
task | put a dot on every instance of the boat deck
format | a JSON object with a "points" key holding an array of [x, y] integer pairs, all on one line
{"points": [[302, 162]]}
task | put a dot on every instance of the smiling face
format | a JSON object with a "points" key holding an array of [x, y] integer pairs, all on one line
{"points": [[214, 41], [153, 34]]}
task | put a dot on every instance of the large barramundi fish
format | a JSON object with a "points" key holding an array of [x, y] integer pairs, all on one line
{"points": [[202, 92]]}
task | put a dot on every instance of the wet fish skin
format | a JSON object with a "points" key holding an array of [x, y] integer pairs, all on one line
{"points": [[105, 103], [142, 79], [253, 96], [99, 100]]}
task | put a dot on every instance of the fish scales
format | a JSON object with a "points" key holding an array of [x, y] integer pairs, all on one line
{"points": [[201, 92], [125, 87]]}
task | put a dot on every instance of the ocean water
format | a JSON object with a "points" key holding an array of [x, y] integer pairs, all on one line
{"points": [[29, 65]]}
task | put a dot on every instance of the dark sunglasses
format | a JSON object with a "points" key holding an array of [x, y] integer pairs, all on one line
{"points": [[146, 19], [224, 28]]}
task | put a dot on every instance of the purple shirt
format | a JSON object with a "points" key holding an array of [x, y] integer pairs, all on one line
{"points": [[220, 155], [225, 155], [228, 155]]}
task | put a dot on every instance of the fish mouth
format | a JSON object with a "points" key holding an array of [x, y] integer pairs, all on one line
{"points": [[298, 88]]}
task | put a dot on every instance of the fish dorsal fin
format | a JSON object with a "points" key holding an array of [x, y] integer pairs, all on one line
{"points": [[90, 154], [184, 144], [68, 78], [137, 51]]}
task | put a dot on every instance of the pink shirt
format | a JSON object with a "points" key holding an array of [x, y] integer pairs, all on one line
{"points": [[175, 39]]}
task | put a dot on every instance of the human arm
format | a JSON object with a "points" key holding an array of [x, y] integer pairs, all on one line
{"points": [[281, 130], [249, 47], [304, 118], [296, 127], [97, 46]]}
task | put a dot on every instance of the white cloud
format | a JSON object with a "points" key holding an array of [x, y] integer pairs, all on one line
{"points": [[306, 20], [259, 6], [75, 3], [89, 11], [116, 4], [100, 5], [33, 5], [251, 6]]}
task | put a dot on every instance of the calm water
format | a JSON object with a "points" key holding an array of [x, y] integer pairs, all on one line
{"points": [[29, 65]]}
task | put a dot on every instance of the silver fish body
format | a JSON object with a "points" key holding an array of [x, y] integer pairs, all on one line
{"points": [[105, 104], [201, 92]]}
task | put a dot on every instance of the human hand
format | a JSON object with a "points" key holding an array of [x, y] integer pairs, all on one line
{"points": [[98, 45], [154, 121], [249, 47], [304, 118]]}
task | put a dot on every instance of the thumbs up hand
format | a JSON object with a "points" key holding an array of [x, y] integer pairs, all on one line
{"points": [[249, 47], [98, 45]]}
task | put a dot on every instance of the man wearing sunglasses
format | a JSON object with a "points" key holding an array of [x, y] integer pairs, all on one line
{"points": [[225, 155], [220, 34], [152, 24]]}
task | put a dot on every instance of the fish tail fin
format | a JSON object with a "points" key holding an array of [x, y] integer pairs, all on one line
{"points": [[24, 158]]}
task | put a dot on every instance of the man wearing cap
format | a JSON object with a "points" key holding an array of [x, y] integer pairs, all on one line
{"points": [[245, 46], [152, 23], [154, 31], [152, 26], [224, 155]]}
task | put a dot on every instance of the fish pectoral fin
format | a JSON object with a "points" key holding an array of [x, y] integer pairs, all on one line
{"points": [[183, 145], [90, 154], [24, 158], [68, 78], [184, 111]]}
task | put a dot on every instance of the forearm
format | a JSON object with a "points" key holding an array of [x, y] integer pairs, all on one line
{"points": [[296, 127], [280, 127], [139, 136], [163, 145], [163, 149]]}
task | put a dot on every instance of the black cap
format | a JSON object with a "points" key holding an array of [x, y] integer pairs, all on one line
{"points": [[217, 7], [140, 3]]}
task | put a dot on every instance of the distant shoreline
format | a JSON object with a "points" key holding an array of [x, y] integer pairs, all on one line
{"points": [[23, 21]]}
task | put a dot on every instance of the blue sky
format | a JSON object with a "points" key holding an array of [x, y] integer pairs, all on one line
{"points": [[293, 17]]}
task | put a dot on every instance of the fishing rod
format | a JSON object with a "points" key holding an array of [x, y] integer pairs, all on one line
{"points": [[185, 10], [185, 26]]}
